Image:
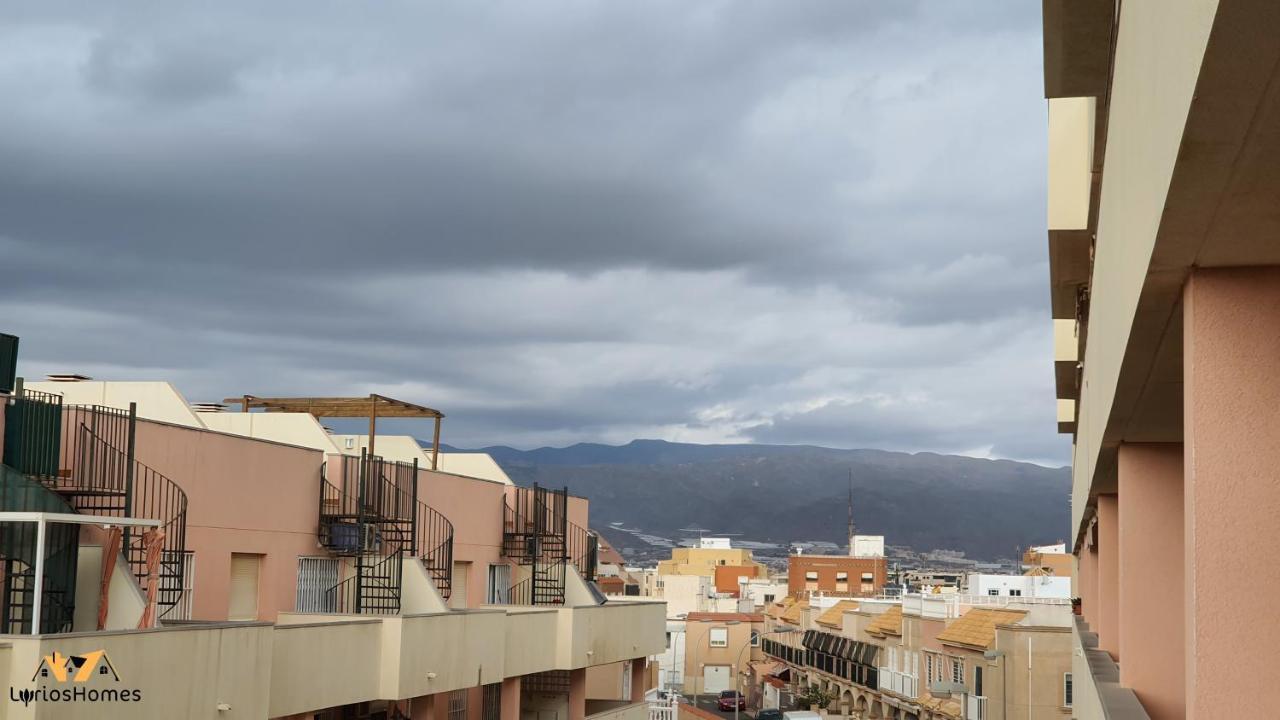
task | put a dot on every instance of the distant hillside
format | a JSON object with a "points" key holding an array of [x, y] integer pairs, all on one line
{"points": [[775, 493]]}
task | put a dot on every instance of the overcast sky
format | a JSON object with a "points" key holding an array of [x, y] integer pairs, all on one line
{"points": [[783, 222]]}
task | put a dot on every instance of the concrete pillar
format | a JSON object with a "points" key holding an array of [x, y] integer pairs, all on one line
{"points": [[429, 707], [639, 679], [1108, 587], [577, 694], [1087, 582], [475, 702], [1151, 560], [1231, 511], [511, 699]]}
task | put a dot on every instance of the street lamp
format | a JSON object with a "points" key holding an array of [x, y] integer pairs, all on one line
{"points": [[736, 662], [695, 650]]}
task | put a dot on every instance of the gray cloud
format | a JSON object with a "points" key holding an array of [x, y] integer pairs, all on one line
{"points": [[786, 222]]}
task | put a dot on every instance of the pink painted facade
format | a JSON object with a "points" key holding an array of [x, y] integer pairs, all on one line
{"points": [[1108, 625], [1231, 372], [1151, 575], [243, 496]]}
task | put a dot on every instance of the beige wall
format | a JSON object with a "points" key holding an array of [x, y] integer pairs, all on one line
{"points": [[699, 652], [703, 561], [1037, 658]]}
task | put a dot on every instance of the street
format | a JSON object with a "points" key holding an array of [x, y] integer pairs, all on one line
{"points": [[708, 703]]}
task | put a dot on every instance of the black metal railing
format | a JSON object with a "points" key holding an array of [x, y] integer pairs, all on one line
{"points": [[544, 586], [583, 550], [373, 588], [535, 523], [85, 454], [434, 547], [33, 433]]}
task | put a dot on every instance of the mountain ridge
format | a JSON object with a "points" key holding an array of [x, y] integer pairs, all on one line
{"points": [[789, 493]]}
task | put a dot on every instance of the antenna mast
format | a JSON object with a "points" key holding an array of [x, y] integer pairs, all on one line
{"points": [[850, 512]]}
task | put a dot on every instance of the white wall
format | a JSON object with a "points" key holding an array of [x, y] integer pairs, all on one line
{"points": [[1050, 586], [671, 662], [868, 546], [686, 593]]}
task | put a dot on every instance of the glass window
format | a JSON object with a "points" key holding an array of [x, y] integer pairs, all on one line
{"points": [[811, 575], [993, 591], [957, 670], [755, 639], [768, 598], [719, 637], [1015, 593], [1066, 689], [868, 577], [842, 577]]}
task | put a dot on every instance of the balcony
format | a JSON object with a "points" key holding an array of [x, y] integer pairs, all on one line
{"points": [[1096, 689], [899, 683], [975, 707]]}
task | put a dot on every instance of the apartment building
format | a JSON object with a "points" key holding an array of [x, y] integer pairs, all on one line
{"points": [[836, 574], [706, 556], [928, 657], [718, 649], [1165, 286], [201, 567]]}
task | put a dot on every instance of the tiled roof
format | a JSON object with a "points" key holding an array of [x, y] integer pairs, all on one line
{"points": [[977, 628], [776, 610], [834, 615], [792, 614], [723, 617], [888, 622]]}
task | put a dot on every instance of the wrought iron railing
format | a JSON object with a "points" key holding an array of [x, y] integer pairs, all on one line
{"points": [[544, 586], [583, 550], [434, 546], [373, 588], [33, 433]]}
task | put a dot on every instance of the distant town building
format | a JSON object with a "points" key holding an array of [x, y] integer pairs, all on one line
{"points": [[836, 574]]}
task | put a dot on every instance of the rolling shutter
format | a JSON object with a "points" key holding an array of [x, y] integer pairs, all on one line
{"points": [[243, 603]]}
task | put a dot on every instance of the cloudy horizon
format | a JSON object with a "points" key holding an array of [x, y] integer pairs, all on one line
{"points": [[793, 223]]}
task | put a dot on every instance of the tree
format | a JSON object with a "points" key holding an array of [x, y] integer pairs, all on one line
{"points": [[815, 698]]}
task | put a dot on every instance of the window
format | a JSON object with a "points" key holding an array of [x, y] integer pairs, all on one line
{"points": [[499, 584], [1015, 593], [811, 575], [842, 577], [719, 637], [316, 575], [458, 705], [957, 670], [928, 667], [183, 563], [1066, 689], [868, 577], [993, 591], [668, 641], [768, 598], [977, 680], [755, 639]]}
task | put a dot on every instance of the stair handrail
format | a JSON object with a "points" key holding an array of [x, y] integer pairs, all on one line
{"points": [[347, 596], [434, 546]]}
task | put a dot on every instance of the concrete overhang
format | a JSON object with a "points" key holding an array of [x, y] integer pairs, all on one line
{"points": [[1193, 181], [1066, 358], [1077, 47]]}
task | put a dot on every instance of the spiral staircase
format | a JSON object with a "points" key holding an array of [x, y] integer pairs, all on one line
{"points": [[538, 534]]}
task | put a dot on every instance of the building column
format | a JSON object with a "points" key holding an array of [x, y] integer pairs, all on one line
{"points": [[577, 694], [1151, 559], [475, 702], [1108, 587], [429, 707], [1231, 518], [639, 679], [511, 698], [1087, 581]]}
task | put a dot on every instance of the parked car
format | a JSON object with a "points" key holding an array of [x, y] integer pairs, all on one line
{"points": [[730, 699], [769, 714]]}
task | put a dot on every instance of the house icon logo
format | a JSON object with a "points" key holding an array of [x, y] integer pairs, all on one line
{"points": [[76, 668], [83, 677]]}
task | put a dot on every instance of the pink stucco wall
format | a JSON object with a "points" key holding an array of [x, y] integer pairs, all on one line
{"points": [[1108, 621], [1087, 583], [1231, 374], [1151, 560], [244, 496], [475, 509]]}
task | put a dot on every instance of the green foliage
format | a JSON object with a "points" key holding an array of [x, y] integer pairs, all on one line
{"points": [[815, 698]]}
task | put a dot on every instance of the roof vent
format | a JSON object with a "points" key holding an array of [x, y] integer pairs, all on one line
{"points": [[208, 407], [67, 377]]}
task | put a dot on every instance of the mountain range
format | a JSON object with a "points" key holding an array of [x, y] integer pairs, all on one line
{"points": [[788, 493]]}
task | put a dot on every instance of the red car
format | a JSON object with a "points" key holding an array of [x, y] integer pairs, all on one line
{"points": [[730, 699]]}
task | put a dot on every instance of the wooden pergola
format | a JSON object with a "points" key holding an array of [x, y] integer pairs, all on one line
{"points": [[372, 407]]}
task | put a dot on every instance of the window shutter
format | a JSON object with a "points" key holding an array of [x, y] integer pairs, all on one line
{"points": [[243, 603]]}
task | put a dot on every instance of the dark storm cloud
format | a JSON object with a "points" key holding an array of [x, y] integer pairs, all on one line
{"points": [[774, 221]]}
